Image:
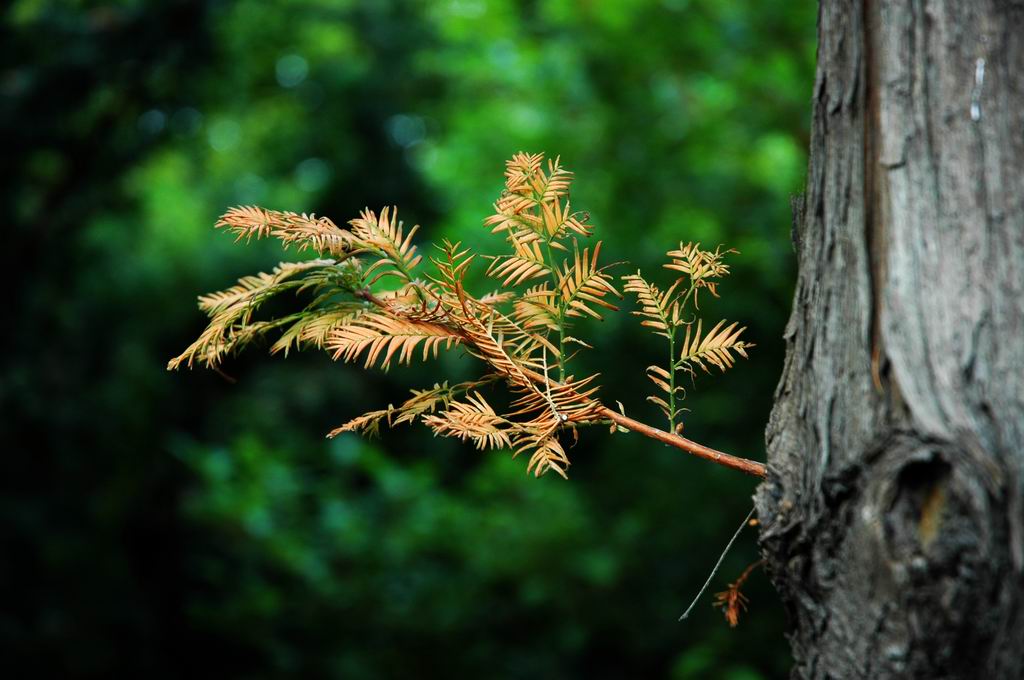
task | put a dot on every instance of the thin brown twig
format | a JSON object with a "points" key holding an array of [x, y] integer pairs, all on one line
{"points": [[751, 467], [718, 564]]}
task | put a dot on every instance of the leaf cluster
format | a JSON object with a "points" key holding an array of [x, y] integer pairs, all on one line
{"points": [[370, 297], [666, 313]]}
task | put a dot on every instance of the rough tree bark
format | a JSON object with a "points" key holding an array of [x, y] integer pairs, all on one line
{"points": [[892, 514]]}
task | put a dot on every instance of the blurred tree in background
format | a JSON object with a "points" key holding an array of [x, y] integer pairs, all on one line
{"points": [[175, 524]]}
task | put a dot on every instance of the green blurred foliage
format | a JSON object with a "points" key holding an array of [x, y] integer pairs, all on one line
{"points": [[179, 524]]}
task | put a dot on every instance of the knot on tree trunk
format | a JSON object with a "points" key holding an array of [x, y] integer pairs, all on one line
{"points": [[898, 568]]}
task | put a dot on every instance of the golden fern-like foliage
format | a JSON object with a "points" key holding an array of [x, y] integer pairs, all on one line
{"points": [[547, 453], [531, 209], [701, 267], [382, 336], [308, 231], [231, 311], [473, 419], [314, 328], [371, 302], [537, 307], [583, 284], [664, 312], [715, 347], [368, 423], [396, 254]]}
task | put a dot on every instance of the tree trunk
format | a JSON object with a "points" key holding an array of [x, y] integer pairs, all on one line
{"points": [[892, 514]]}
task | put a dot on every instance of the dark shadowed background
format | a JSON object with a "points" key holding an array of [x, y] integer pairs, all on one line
{"points": [[178, 524]]}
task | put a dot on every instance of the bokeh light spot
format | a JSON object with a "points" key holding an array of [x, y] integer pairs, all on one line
{"points": [[291, 69], [312, 174], [224, 135]]}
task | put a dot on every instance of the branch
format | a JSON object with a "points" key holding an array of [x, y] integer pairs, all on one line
{"points": [[751, 467], [736, 463]]}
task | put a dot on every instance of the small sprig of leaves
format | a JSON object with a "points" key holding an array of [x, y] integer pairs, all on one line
{"points": [[370, 297], [665, 312], [732, 600]]}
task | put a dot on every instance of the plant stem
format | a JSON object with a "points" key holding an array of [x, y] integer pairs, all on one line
{"points": [[561, 313], [671, 378], [672, 360]]}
